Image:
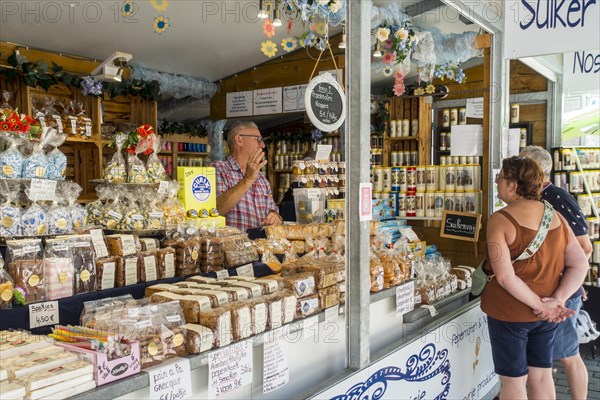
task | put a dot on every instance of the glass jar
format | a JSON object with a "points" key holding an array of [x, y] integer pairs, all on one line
{"points": [[298, 167]]}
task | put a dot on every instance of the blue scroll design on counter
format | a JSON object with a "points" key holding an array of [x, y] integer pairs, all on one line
{"points": [[426, 365]]}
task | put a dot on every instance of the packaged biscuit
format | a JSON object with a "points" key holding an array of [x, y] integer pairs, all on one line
{"points": [[147, 266], [58, 269], [116, 170], [288, 300], [105, 273], [198, 338], [160, 287], [121, 245], [219, 321], [26, 267], [274, 303], [307, 306], [84, 263], [127, 271], [165, 263], [302, 284], [260, 314], [6, 289], [241, 320], [329, 297]]}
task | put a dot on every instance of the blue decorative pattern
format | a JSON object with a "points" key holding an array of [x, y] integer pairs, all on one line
{"points": [[424, 366]]}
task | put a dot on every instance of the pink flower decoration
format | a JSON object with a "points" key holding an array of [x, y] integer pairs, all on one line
{"points": [[268, 29], [389, 57], [399, 89], [387, 44]]}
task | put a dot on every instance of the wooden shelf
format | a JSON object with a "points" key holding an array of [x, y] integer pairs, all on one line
{"points": [[191, 153], [402, 139], [282, 170], [78, 139]]}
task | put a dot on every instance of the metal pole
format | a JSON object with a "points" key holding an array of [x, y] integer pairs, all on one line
{"points": [[357, 168]]}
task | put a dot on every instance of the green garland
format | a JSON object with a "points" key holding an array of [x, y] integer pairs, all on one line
{"points": [[190, 129], [38, 73], [275, 137]]}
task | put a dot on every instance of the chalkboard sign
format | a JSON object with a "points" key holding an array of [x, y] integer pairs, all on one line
{"points": [[460, 225], [325, 103]]}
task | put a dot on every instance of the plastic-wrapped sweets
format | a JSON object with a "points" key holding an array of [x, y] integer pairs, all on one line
{"points": [[34, 221], [94, 209], [133, 214], [71, 191], [112, 212], [136, 170], [173, 209], [26, 266], [115, 170], [154, 215], [10, 214], [59, 220], [58, 269], [154, 167], [36, 165], [84, 264], [57, 161], [11, 161]]}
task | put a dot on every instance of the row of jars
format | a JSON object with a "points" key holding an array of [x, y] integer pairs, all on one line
{"points": [[587, 202], [403, 127], [431, 204], [578, 180], [318, 181], [565, 159], [431, 178], [311, 167], [454, 116]]}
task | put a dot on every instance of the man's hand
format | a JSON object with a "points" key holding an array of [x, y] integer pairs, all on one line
{"points": [[272, 218], [255, 162]]}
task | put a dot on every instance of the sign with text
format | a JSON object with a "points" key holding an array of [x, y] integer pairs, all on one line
{"points": [[276, 373], [43, 314], [366, 202], [538, 27], [171, 380], [581, 71], [460, 225], [240, 104], [229, 369], [323, 152], [467, 140], [267, 101], [245, 270], [293, 98], [325, 102], [475, 108], [405, 298], [42, 190]]}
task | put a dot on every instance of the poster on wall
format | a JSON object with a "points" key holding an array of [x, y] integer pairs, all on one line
{"points": [[581, 71], [452, 362], [538, 27], [239, 104], [293, 98], [267, 101]]}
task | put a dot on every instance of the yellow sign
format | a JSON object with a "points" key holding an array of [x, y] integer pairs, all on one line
{"points": [[197, 187]]}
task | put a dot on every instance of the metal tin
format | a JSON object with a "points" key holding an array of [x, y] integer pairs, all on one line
{"points": [[411, 205], [420, 179], [454, 116], [401, 205], [387, 179]]}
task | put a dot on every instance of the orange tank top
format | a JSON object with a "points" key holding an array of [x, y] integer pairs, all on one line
{"points": [[541, 272]]}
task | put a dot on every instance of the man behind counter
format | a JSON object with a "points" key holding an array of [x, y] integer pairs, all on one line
{"points": [[243, 193]]}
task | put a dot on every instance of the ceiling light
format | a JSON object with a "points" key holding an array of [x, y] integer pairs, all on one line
{"points": [[262, 13], [277, 19]]}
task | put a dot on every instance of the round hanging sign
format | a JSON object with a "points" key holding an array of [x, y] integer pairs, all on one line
{"points": [[325, 103]]}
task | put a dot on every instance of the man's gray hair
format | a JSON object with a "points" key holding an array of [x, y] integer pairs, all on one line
{"points": [[237, 128], [541, 156]]}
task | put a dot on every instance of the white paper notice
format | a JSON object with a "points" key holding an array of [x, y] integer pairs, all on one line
{"points": [[229, 369], [245, 270], [514, 136], [366, 202], [222, 274], [405, 298], [239, 104], [475, 108], [162, 187], [171, 380], [467, 140], [293, 98], [98, 243], [267, 101], [43, 314], [42, 189], [323, 152], [276, 373]]}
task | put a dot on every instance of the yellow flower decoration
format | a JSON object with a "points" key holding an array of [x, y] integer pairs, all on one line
{"points": [[430, 89], [388, 70], [161, 24], [419, 92], [127, 8], [160, 5], [321, 28], [289, 44], [268, 48]]}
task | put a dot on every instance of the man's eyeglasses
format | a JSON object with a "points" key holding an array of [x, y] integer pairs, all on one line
{"points": [[259, 139]]}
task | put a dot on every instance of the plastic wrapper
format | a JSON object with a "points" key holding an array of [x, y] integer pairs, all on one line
{"points": [[376, 273], [34, 221], [6, 96], [307, 306], [165, 263], [198, 338], [121, 245], [173, 209], [329, 296], [241, 320], [133, 214], [154, 167], [149, 244], [94, 209], [274, 246], [212, 255], [111, 214], [136, 170], [217, 298], [58, 269], [155, 218], [26, 267], [36, 165], [7, 287], [259, 315], [255, 290], [274, 303], [71, 191], [159, 287], [84, 264], [127, 271], [219, 321], [276, 232], [325, 273], [289, 254], [105, 273], [302, 284], [269, 285], [10, 213], [116, 171], [59, 219], [11, 160], [187, 257], [57, 161], [147, 266]]}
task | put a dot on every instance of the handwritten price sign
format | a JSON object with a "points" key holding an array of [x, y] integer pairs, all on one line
{"points": [[43, 314]]}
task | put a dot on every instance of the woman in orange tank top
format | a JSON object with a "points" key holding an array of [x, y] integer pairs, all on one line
{"points": [[526, 298]]}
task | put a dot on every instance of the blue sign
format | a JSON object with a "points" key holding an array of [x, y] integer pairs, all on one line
{"points": [[201, 188]]}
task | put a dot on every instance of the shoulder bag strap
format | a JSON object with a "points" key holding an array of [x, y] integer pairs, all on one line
{"points": [[541, 235]]}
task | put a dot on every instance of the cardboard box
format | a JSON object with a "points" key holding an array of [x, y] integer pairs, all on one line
{"points": [[197, 187], [106, 371]]}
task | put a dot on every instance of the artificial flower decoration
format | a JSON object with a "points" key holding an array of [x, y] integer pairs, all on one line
{"points": [[18, 125], [388, 70], [321, 28], [127, 9], [161, 24], [450, 71], [289, 44], [399, 87], [389, 58], [268, 28], [90, 86], [419, 91], [430, 89], [268, 48], [160, 5], [382, 34], [334, 6], [143, 133]]}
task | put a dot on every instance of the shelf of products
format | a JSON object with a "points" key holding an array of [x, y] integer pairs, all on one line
{"points": [[177, 152]]}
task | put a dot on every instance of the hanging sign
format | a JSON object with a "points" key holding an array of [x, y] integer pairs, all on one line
{"points": [[240, 104], [460, 225], [325, 103], [581, 71], [538, 27], [267, 101]]}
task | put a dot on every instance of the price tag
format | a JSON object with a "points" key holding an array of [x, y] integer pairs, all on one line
{"points": [[42, 190], [245, 270], [98, 243], [43, 314], [162, 187], [405, 298], [310, 326], [323, 152], [171, 380], [331, 314], [229, 369], [222, 274], [432, 311]]}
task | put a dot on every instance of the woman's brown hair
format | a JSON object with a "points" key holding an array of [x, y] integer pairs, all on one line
{"points": [[526, 173]]}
